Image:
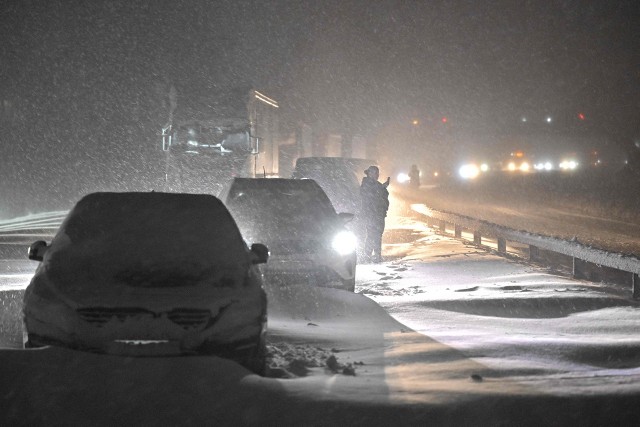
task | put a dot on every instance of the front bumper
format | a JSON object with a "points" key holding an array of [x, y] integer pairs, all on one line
{"points": [[315, 269], [132, 330]]}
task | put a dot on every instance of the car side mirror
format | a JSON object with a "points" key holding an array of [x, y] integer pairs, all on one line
{"points": [[346, 217], [259, 253], [37, 250]]}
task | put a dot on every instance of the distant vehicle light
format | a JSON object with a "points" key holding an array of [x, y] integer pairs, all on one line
{"points": [[568, 165], [436, 174], [484, 167], [403, 178], [543, 166], [524, 167], [469, 171], [511, 166], [344, 242]]}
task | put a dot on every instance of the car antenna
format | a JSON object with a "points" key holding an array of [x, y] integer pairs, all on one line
{"points": [[264, 172]]}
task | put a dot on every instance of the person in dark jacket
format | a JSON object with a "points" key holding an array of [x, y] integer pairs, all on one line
{"points": [[414, 177], [374, 198]]}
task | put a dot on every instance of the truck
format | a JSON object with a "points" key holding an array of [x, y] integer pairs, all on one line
{"points": [[212, 136]]}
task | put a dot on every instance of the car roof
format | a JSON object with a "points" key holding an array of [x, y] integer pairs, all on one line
{"points": [[319, 159], [106, 203], [349, 162], [109, 236], [344, 165], [284, 186], [283, 183], [147, 219]]}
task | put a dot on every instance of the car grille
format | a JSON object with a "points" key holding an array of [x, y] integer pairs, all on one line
{"points": [[190, 318], [185, 317], [302, 246]]}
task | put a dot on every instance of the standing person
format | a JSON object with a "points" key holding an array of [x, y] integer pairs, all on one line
{"points": [[374, 205], [414, 176]]}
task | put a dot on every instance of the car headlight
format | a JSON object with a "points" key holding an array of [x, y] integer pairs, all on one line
{"points": [[469, 171], [403, 178], [344, 243], [568, 164]]}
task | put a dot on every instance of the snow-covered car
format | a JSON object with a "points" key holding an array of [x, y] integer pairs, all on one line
{"points": [[307, 239], [149, 274], [339, 177]]}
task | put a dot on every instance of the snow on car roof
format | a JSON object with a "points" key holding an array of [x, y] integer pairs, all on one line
{"points": [[270, 207], [109, 232], [278, 189]]}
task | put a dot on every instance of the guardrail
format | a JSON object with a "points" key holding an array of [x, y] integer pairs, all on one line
{"points": [[583, 257], [48, 221], [27, 229]]}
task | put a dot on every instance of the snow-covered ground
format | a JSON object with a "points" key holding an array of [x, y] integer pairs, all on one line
{"points": [[602, 217], [442, 333]]}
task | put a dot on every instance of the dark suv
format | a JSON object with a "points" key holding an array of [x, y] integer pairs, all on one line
{"points": [[307, 239]]}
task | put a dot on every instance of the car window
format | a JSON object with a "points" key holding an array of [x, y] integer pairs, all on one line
{"points": [[191, 236], [280, 209]]}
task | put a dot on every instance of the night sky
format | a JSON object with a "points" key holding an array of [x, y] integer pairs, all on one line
{"points": [[85, 83]]}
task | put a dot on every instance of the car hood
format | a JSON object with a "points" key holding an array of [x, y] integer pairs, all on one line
{"points": [[86, 264], [81, 292]]}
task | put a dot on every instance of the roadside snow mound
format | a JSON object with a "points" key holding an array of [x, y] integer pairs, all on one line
{"points": [[291, 361]]}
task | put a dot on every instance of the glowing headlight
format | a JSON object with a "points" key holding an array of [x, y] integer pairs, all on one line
{"points": [[403, 177], [543, 166], [344, 242], [469, 171], [568, 164]]}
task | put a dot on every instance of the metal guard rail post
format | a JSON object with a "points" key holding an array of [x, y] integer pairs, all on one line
{"points": [[577, 251]]}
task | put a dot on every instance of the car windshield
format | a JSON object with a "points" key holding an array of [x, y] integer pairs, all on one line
{"points": [[111, 235], [337, 178], [281, 210]]}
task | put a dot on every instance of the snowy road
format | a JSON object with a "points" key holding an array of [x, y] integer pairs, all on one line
{"points": [[600, 225], [516, 317], [496, 339]]}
